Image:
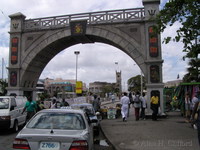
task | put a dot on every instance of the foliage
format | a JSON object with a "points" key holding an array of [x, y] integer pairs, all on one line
{"points": [[134, 83], [193, 71], [109, 88], [187, 13], [43, 96], [3, 86]]}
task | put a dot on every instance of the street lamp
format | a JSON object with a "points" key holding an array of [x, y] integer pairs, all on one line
{"points": [[76, 53], [141, 83], [117, 67]]}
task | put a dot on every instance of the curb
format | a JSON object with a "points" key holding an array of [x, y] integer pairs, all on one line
{"points": [[107, 140]]}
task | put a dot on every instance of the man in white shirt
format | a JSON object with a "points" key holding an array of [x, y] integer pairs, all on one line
{"points": [[125, 106]]}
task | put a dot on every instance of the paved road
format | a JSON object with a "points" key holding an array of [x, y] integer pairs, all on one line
{"points": [[171, 133], [6, 139]]}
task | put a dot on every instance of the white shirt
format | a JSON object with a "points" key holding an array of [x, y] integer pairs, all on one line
{"points": [[137, 105], [194, 100], [143, 99], [113, 96], [125, 101]]}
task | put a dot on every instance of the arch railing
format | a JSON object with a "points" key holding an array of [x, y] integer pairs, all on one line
{"points": [[103, 17]]}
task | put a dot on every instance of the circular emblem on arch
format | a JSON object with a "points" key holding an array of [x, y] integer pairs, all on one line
{"points": [[78, 27]]}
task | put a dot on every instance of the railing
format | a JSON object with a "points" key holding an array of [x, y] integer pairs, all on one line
{"points": [[104, 17]]}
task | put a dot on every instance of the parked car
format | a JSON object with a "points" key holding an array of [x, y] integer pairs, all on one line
{"points": [[10, 112], [88, 108], [56, 129]]}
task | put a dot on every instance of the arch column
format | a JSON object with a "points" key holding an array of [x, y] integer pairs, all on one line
{"points": [[154, 58], [14, 69]]}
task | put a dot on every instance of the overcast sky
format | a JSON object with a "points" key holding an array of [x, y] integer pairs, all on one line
{"points": [[102, 56]]}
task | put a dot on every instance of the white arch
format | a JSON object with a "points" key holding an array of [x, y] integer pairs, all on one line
{"points": [[111, 36]]}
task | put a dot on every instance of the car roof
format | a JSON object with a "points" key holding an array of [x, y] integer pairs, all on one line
{"points": [[81, 104], [63, 110]]}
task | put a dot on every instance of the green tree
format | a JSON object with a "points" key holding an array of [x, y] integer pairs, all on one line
{"points": [[109, 88], [3, 85], [43, 96], [134, 83], [187, 13]]}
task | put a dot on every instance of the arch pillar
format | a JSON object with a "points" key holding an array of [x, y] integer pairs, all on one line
{"points": [[16, 50], [154, 58]]}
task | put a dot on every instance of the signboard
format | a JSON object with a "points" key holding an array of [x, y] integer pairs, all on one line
{"points": [[79, 87], [13, 78], [153, 43], [14, 50]]}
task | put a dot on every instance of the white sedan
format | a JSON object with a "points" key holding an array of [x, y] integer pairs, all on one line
{"points": [[56, 129]]}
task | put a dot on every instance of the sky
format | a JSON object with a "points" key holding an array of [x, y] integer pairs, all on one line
{"points": [[102, 56]]}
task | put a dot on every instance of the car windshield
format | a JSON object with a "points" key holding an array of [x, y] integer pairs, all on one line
{"points": [[87, 108], [54, 120], [4, 103]]}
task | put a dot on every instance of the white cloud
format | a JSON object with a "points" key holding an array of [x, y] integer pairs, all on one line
{"points": [[173, 56], [96, 62], [4, 55]]}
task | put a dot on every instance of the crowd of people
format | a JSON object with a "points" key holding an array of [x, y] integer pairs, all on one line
{"points": [[31, 106], [137, 100]]}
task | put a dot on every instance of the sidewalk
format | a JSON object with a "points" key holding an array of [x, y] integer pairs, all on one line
{"points": [[171, 133]]}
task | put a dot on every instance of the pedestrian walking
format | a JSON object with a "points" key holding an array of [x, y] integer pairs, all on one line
{"points": [[143, 106], [187, 106], [96, 103], [31, 108], [137, 105], [113, 98], [64, 103], [130, 95], [196, 111], [54, 104], [41, 105], [131, 101], [194, 101], [125, 104], [154, 106]]}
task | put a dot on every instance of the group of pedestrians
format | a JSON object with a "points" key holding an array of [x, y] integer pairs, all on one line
{"points": [[189, 105], [192, 111], [31, 106], [139, 103]]}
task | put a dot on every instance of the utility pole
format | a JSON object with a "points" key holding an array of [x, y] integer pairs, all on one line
{"points": [[76, 53], [141, 80], [2, 67]]}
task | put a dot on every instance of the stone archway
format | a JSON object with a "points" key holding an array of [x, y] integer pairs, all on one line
{"points": [[32, 48]]}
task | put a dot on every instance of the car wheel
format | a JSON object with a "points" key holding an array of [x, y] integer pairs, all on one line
{"points": [[15, 126]]}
